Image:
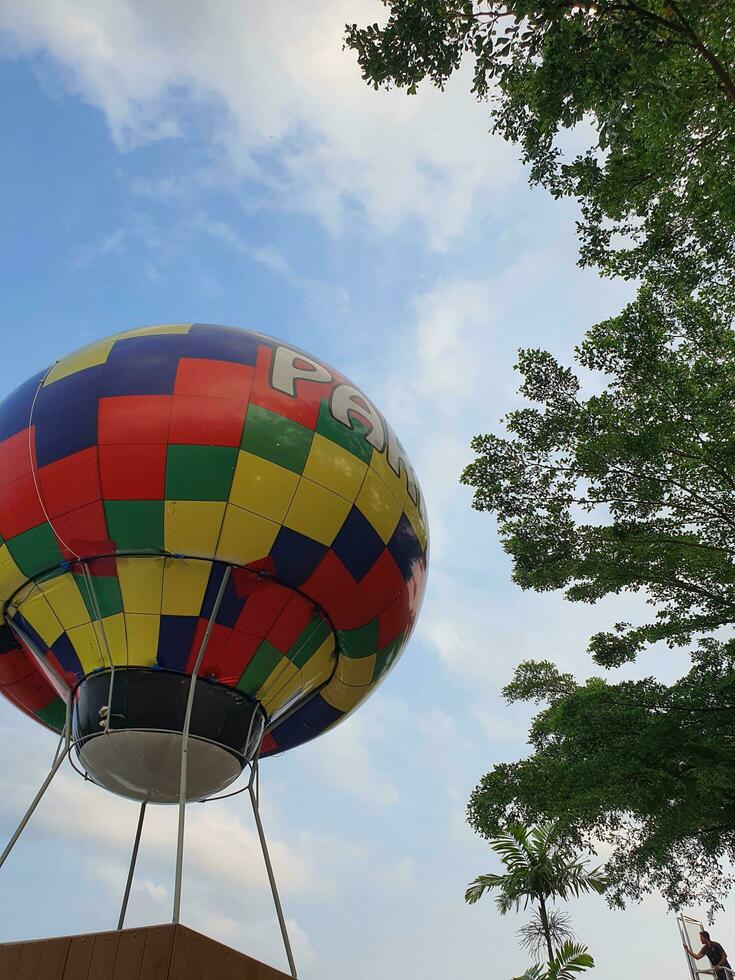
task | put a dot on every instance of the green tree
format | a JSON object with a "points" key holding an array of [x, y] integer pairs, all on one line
{"points": [[633, 487], [643, 767], [629, 489], [650, 84], [539, 869]]}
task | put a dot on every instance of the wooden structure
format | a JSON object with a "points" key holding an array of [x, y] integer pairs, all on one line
{"points": [[168, 952]]}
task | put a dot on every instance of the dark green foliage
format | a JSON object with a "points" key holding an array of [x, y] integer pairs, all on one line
{"points": [[644, 768], [651, 84], [632, 488]]}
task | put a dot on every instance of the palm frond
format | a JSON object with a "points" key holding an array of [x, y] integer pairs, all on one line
{"points": [[576, 878], [477, 888], [533, 937], [571, 959], [512, 846], [542, 837], [534, 972], [505, 902]]}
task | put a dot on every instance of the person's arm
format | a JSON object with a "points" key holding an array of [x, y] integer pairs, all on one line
{"points": [[696, 956], [723, 957]]}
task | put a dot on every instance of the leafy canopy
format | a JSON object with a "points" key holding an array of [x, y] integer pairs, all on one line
{"points": [[632, 488], [648, 84], [628, 488], [643, 767]]}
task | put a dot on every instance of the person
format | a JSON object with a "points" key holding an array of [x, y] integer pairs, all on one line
{"points": [[715, 954]]}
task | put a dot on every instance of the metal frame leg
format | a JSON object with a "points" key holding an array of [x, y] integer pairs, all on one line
{"points": [[131, 869], [185, 744], [269, 867], [58, 759]]}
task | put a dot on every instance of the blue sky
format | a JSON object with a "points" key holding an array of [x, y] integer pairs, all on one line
{"points": [[224, 163]]}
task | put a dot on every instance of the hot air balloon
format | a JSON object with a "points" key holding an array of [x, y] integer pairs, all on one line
{"points": [[209, 540]]}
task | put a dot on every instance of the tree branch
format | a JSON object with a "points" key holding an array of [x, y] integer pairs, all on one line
{"points": [[724, 78]]}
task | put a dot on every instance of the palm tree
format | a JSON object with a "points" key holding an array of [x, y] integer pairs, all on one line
{"points": [[539, 870]]}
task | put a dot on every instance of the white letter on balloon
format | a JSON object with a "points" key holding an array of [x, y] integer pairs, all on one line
{"points": [[348, 401], [287, 369]]}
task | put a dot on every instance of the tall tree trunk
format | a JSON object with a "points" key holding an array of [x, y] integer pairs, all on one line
{"points": [[545, 926]]}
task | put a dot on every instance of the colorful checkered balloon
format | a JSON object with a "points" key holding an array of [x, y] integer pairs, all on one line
{"points": [[135, 471]]}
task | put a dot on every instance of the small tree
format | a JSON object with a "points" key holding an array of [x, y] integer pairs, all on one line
{"points": [[540, 869]]}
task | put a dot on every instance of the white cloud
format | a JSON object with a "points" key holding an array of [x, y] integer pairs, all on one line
{"points": [[257, 78], [112, 874], [480, 630], [221, 848], [400, 873], [455, 354], [449, 322], [304, 953], [158, 893], [224, 232], [344, 760], [108, 244], [500, 727]]}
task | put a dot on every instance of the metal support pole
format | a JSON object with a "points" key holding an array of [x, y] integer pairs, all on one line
{"points": [[131, 870], [58, 759], [98, 613], [269, 869], [185, 743]]}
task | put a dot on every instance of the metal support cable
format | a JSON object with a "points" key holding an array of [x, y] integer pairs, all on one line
{"points": [[185, 743], [68, 722]]}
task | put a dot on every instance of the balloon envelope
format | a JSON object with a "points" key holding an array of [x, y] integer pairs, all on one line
{"points": [[136, 470]]}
